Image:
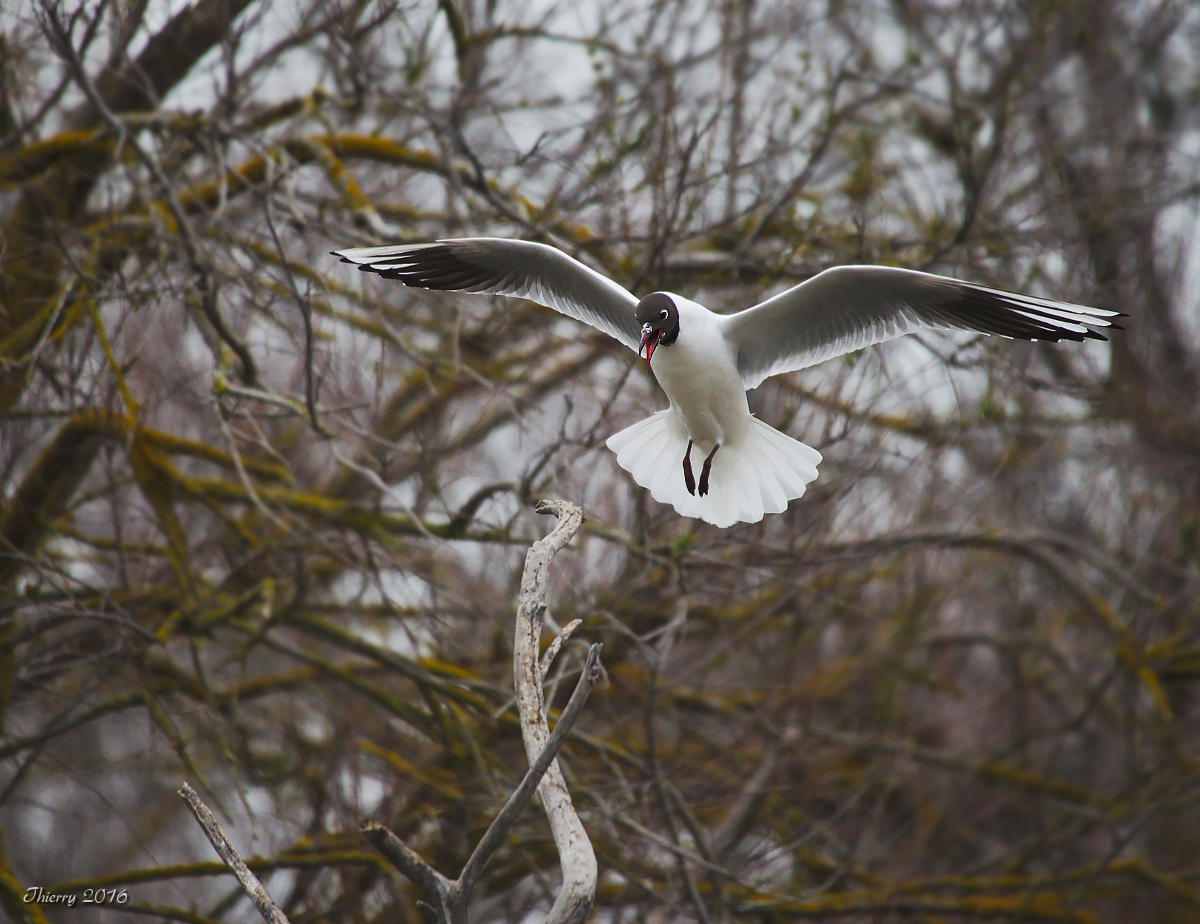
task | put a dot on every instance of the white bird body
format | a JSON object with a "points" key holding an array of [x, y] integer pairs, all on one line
{"points": [[700, 378], [705, 361]]}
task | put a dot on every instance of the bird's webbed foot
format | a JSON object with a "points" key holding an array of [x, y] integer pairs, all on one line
{"points": [[688, 478], [704, 472]]}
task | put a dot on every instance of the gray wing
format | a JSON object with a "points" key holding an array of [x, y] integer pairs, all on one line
{"points": [[497, 266], [850, 307]]}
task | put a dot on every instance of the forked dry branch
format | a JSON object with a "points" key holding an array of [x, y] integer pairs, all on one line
{"points": [[450, 899]]}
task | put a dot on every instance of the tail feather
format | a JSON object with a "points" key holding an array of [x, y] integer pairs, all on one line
{"points": [[635, 437], [754, 476], [797, 467], [664, 468], [658, 461], [744, 495], [641, 445], [774, 498], [774, 492], [777, 485]]}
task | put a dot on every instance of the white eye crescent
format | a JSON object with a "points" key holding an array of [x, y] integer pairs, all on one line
{"points": [[663, 314]]}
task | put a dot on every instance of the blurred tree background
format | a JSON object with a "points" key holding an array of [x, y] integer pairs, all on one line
{"points": [[263, 517]]}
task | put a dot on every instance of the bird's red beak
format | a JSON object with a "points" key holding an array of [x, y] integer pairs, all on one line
{"points": [[649, 341]]}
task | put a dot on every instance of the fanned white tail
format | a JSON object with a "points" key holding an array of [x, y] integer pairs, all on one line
{"points": [[752, 476]]}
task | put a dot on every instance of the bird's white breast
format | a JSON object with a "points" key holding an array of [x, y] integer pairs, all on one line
{"points": [[700, 377]]}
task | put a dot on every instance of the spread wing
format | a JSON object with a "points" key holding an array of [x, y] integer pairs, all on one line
{"points": [[496, 266], [850, 307]]}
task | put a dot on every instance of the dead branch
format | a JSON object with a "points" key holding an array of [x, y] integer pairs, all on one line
{"points": [[250, 885], [574, 901]]}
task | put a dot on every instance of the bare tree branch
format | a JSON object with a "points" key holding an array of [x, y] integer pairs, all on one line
{"points": [[250, 885], [578, 860], [453, 897]]}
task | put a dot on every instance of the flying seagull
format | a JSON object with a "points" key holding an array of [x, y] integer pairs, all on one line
{"points": [[706, 455]]}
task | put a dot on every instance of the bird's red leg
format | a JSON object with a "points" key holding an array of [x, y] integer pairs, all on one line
{"points": [[707, 468], [688, 478]]}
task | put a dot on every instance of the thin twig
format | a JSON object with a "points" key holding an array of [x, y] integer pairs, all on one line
{"points": [[555, 646], [262, 901], [409, 862]]}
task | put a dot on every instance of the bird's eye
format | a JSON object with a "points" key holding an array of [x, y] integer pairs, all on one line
{"points": [[663, 314]]}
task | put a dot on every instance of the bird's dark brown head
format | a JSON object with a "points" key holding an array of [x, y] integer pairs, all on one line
{"points": [[659, 318]]}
